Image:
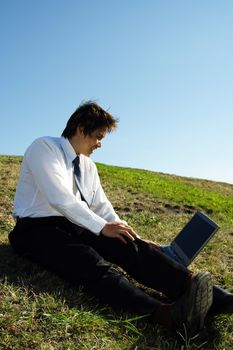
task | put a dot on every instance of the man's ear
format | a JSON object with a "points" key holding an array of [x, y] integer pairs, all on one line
{"points": [[79, 131]]}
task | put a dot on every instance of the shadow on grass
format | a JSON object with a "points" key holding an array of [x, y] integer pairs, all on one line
{"points": [[22, 273]]}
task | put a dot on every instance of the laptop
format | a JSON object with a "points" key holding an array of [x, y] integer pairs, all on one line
{"points": [[192, 239]]}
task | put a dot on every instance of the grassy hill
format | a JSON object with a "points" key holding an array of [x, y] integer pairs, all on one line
{"points": [[40, 311]]}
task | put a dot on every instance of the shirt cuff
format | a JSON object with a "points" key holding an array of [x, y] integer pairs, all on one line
{"points": [[97, 225]]}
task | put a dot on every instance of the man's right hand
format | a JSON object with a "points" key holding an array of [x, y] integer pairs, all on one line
{"points": [[119, 230]]}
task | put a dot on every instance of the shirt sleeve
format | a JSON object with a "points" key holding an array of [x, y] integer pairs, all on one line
{"points": [[101, 205], [51, 179]]}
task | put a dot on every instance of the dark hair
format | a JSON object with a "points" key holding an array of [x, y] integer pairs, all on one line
{"points": [[89, 116]]}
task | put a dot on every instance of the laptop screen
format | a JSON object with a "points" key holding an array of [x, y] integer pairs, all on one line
{"points": [[195, 235]]}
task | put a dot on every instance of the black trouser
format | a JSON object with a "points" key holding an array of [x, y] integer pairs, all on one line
{"points": [[82, 257]]}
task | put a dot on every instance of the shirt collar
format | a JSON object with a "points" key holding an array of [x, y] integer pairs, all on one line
{"points": [[68, 150]]}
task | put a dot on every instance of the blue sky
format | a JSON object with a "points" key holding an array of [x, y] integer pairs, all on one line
{"points": [[163, 67]]}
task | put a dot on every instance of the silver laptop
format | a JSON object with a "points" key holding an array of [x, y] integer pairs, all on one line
{"points": [[192, 239]]}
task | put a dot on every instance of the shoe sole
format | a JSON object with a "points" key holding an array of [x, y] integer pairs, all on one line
{"points": [[190, 310], [203, 298]]}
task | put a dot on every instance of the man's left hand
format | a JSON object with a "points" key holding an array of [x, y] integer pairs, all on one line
{"points": [[156, 245]]}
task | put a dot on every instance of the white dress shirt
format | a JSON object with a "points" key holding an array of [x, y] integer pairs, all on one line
{"points": [[46, 186]]}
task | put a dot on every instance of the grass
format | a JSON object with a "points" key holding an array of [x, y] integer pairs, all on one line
{"points": [[39, 311]]}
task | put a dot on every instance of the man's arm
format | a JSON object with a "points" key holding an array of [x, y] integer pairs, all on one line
{"points": [[101, 205]]}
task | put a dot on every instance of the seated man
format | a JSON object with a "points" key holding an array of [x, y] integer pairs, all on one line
{"points": [[66, 224]]}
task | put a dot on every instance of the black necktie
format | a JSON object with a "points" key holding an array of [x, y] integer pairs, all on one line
{"points": [[77, 174], [76, 167]]}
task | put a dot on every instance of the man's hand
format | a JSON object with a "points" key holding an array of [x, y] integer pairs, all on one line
{"points": [[119, 230], [156, 245]]}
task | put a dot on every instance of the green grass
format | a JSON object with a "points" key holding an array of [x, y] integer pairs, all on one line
{"points": [[40, 311]]}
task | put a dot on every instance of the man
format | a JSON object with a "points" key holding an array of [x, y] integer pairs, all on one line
{"points": [[66, 224]]}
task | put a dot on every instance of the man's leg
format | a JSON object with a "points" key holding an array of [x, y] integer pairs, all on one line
{"points": [[53, 246], [222, 302], [142, 261], [151, 267]]}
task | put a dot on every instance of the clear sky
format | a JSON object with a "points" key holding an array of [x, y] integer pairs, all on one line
{"points": [[163, 67]]}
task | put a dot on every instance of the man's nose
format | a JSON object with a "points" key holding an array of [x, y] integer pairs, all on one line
{"points": [[99, 144]]}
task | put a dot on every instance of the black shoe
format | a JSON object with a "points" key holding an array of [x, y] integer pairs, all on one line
{"points": [[222, 302], [189, 312]]}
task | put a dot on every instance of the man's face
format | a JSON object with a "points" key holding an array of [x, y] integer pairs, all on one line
{"points": [[88, 143]]}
